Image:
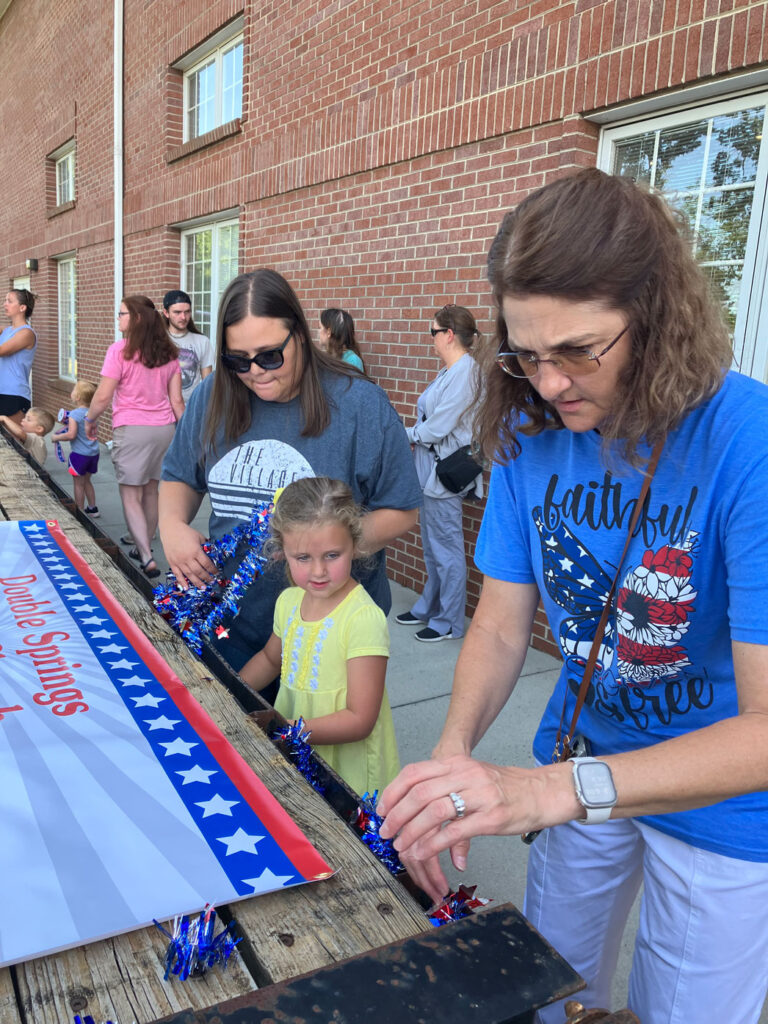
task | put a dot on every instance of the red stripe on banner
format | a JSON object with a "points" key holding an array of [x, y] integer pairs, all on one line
{"points": [[295, 845]]}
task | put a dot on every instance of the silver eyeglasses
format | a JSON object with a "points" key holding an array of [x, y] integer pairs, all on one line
{"points": [[575, 362]]}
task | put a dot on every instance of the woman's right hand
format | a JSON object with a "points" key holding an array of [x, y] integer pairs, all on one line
{"points": [[183, 547]]}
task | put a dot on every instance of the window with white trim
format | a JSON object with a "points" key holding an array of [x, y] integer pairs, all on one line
{"points": [[65, 175], [208, 264], [67, 281], [213, 82], [710, 163]]}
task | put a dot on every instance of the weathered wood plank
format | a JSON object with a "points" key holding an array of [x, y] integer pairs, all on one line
{"points": [[119, 979], [286, 933], [9, 1011]]}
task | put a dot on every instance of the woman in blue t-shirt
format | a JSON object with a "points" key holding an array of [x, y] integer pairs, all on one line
{"points": [[17, 351], [610, 348]]}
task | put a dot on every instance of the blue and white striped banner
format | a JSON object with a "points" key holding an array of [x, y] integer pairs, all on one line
{"points": [[121, 801]]}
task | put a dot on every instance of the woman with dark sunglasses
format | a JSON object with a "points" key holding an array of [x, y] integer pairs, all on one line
{"points": [[277, 409], [443, 425], [612, 357]]}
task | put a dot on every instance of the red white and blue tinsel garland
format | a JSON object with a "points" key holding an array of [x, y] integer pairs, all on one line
{"points": [[193, 947], [197, 613], [456, 905]]}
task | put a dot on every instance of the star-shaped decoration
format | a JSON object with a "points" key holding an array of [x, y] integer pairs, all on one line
{"points": [[216, 805], [112, 648], [100, 634], [71, 586], [63, 576], [94, 620], [160, 723], [197, 774], [134, 681], [123, 664], [178, 747], [33, 528], [147, 701], [85, 608], [267, 881], [240, 842]]}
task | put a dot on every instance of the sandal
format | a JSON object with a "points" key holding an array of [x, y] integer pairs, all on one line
{"points": [[134, 554], [126, 539], [151, 574]]}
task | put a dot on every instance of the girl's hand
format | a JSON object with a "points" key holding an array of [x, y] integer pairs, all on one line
{"points": [[418, 809], [183, 547]]}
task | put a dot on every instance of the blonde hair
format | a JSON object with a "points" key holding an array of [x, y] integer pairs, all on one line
{"points": [[315, 501], [83, 392], [44, 419]]}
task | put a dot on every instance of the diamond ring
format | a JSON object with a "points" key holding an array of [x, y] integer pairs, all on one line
{"points": [[458, 803]]}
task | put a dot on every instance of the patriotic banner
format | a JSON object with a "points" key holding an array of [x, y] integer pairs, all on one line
{"points": [[121, 801]]}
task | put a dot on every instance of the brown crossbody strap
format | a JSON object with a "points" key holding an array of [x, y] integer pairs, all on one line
{"points": [[562, 749]]}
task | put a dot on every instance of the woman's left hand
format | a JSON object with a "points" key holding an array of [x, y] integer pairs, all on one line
{"points": [[419, 811]]}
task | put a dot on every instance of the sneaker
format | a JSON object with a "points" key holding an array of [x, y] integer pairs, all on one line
{"points": [[406, 619], [431, 636], [93, 511]]}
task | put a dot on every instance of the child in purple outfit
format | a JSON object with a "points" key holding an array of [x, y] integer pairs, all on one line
{"points": [[84, 455]]}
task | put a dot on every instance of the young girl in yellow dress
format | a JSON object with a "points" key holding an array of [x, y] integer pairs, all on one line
{"points": [[330, 642]]}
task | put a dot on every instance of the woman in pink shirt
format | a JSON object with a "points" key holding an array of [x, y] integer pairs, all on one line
{"points": [[142, 379]]}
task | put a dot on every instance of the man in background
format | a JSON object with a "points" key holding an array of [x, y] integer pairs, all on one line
{"points": [[195, 351]]}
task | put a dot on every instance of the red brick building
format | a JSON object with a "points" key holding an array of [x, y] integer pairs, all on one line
{"points": [[367, 149]]}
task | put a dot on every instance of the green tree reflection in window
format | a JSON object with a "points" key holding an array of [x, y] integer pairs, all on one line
{"points": [[706, 169]]}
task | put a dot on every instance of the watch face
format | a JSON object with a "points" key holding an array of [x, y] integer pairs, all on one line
{"points": [[596, 784]]}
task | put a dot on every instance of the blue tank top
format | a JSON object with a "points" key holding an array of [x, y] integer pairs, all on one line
{"points": [[15, 369]]}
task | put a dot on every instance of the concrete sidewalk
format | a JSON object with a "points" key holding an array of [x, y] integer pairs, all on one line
{"points": [[419, 684]]}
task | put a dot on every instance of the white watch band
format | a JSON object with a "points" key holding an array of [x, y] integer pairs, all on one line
{"points": [[594, 815]]}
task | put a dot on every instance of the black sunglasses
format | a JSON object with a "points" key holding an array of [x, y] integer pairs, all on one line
{"points": [[434, 331], [269, 359]]}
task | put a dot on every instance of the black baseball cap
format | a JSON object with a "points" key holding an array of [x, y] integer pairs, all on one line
{"points": [[172, 297]]}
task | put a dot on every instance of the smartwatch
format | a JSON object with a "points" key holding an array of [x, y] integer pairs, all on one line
{"points": [[595, 790]]}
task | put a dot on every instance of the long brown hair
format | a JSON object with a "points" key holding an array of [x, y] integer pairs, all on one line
{"points": [[597, 237], [266, 293], [341, 328], [146, 335]]}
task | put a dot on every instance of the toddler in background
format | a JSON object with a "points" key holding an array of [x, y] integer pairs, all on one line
{"points": [[329, 638], [84, 453], [31, 431]]}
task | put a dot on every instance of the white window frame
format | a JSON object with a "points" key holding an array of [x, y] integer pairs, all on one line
{"points": [[213, 51], [750, 338], [64, 171], [217, 281], [67, 315]]}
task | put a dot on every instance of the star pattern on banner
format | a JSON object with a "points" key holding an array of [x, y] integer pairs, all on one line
{"points": [[208, 793]]}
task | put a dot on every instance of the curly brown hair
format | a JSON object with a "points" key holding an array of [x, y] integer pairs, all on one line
{"points": [[592, 236]]}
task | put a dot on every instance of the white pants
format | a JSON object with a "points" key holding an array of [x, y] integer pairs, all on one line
{"points": [[701, 952]]}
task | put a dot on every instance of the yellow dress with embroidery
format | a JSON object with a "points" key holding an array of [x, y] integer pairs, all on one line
{"points": [[313, 680]]}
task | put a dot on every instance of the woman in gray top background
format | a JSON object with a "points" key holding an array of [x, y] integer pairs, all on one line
{"points": [[443, 424]]}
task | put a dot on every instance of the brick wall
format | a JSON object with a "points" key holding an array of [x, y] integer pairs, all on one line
{"points": [[380, 143]]}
